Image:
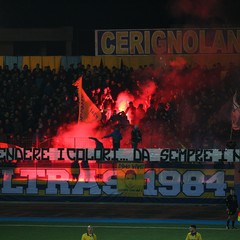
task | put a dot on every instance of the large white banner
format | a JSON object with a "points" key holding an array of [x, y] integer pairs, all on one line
{"points": [[123, 154]]}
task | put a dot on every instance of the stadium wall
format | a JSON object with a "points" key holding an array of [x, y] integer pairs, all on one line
{"points": [[54, 62]]}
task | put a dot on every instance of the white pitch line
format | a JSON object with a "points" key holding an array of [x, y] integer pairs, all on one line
{"points": [[95, 226]]}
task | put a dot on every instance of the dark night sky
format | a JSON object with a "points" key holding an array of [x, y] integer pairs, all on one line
{"points": [[87, 16], [90, 15]]}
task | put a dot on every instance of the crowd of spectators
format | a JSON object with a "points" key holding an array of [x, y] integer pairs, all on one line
{"points": [[195, 113]]}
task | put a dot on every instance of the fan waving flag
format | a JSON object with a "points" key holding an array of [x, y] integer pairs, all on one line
{"points": [[235, 113], [88, 111]]}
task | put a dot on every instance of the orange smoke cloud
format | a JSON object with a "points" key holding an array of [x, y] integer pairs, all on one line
{"points": [[77, 135], [178, 63], [122, 101]]}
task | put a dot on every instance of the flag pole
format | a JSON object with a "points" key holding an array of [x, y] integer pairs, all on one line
{"points": [[79, 109], [79, 104], [78, 84]]}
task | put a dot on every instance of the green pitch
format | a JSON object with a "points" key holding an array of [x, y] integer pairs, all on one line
{"points": [[110, 231]]}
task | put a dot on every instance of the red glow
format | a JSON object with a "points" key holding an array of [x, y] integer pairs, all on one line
{"points": [[200, 9], [76, 135], [122, 101]]}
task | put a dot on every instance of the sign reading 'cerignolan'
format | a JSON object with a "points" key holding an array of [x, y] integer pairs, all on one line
{"points": [[167, 41]]}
